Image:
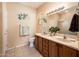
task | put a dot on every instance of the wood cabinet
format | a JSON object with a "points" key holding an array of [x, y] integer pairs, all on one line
{"points": [[69, 52], [53, 49], [45, 47], [65, 51], [40, 44], [78, 53], [60, 50], [36, 42]]}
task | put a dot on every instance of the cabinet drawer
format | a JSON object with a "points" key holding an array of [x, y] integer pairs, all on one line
{"points": [[36, 42], [45, 52], [45, 41], [44, 44], [45, 47], [40, 45]]}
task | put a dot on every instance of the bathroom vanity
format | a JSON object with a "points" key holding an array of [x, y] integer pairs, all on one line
{"points": [[53, 46]]}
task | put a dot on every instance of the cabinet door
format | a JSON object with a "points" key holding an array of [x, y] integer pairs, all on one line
{"points": [[40, 44], [53, 49], [77, 53], [69, 52], [60, 50], [65, 51], [36, 42], [45, 47]]}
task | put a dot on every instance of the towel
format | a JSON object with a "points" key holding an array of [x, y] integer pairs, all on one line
{"points": [[74, 26]]}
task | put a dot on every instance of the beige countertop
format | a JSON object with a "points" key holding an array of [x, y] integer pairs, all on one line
{"points": [[72, 44]]}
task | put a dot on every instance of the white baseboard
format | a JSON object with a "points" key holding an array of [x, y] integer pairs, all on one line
{"points": [[16, 46], [10, 48]]}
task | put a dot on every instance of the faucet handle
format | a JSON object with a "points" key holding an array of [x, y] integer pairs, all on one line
{"points": [[64, 37]]}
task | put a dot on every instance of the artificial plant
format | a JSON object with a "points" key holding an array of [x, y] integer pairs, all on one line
{"points": [[22, 16], [53, 30]]}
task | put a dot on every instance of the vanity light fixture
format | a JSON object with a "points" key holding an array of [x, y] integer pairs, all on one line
{"points": [[56, 10]]}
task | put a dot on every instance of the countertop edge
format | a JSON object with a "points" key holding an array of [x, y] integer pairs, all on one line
{"points": [[58, 41]]}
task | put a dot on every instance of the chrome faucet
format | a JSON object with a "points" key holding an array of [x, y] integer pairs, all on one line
{"points": [[64, 37]]}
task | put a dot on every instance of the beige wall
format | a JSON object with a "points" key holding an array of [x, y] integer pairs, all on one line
{"points": [[52, 20], [13, 24], [0, 28]]}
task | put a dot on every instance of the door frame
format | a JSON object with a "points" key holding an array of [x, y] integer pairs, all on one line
{"points": [[4, 28]]}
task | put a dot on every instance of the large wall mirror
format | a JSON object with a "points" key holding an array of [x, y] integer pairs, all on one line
{"points": [[63, 20]]}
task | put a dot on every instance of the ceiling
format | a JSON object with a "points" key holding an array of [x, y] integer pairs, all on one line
{"points": [[33, 4]]}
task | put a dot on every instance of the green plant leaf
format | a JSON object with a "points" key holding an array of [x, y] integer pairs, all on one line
{"points": [[22, 16], [53, 29]]}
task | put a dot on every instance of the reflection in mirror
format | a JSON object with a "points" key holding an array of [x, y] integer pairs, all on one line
{"points": [[62, 20]]}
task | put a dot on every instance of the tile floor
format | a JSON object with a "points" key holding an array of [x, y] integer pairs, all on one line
{"points": [[24, 51]]}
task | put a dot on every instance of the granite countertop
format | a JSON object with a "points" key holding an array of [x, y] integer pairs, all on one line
{"points": [[72, 44]]}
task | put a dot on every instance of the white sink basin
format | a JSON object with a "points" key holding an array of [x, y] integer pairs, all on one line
{"points": [[65, 40], [61, 38], [71, 40]]}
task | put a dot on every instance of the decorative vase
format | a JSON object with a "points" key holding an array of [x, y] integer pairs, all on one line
{"points": [[54, 33]]}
